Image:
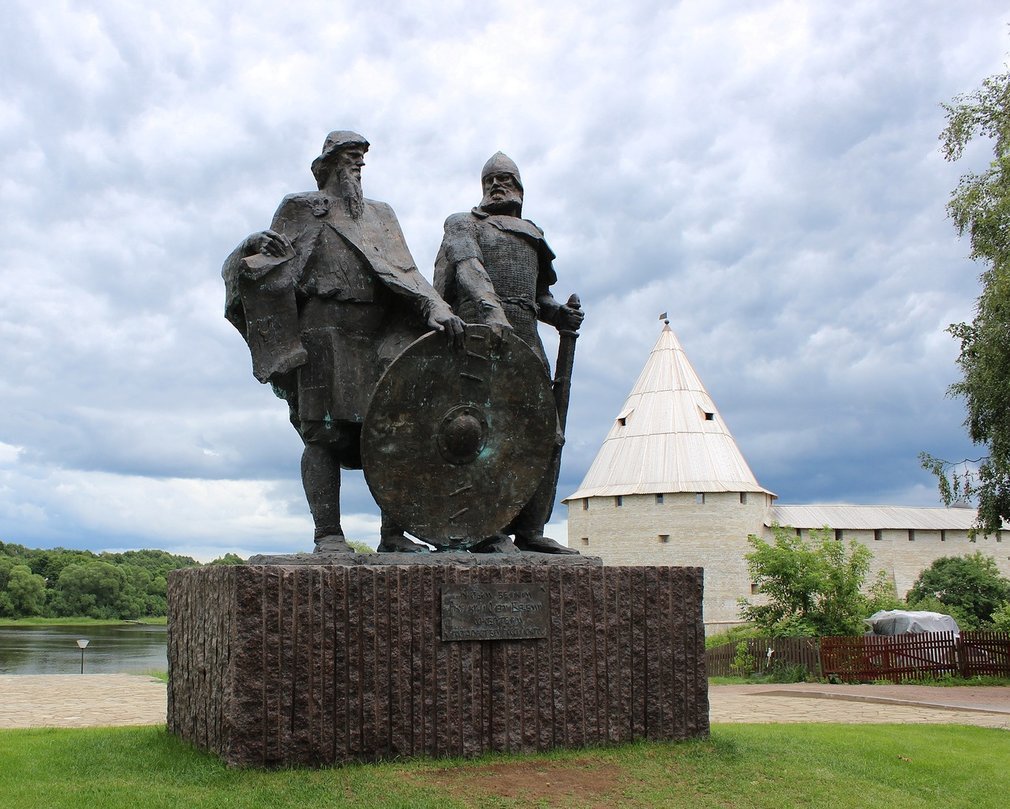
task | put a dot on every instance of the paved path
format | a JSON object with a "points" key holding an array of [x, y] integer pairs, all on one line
{"points": [[70, 700], [861, 704], [81, 700]]}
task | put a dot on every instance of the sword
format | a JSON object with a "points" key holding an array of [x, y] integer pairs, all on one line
{"points": [[563, 367], [562, 394]]}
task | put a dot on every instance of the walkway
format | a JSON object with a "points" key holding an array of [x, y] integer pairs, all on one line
{"points": [[861, 704], [69, 701], [81, 700]]}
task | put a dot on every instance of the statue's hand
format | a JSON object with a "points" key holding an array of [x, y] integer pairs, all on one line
{"points": [[269, 243], [569, 318], [498, 331], [499, 325], [442, 319]]}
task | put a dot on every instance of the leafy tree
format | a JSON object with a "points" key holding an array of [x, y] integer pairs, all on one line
{"points": [[27, 591], [1001, 617], [883, 595], [812, 587], [228, 559], [972, 585], [138, 588], [92, 589], [980, 208]]}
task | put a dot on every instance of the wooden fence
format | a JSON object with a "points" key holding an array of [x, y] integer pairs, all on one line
{"points": [[784, 652], [873, 657], [903, 657]]}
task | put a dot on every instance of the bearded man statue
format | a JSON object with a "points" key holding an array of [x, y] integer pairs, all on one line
{"points": [[326, 299]]}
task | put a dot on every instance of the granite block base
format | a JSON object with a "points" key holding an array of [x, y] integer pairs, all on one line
{"points": [[309, 665]]}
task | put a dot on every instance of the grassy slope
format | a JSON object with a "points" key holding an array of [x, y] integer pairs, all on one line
{"points": [[741, 766], [156, 620]]}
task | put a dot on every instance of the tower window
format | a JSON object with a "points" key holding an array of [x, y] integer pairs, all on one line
{"points": [[659, 499], [838, 534], [664, 538], [911, 535], [743, 498], [699, 498], [585, 540], [709, 416], [585, 504], [619, 501], [877, 534], [943, 536]]}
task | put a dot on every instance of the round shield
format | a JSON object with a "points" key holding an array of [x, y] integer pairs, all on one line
{"points": [[456, 440]]}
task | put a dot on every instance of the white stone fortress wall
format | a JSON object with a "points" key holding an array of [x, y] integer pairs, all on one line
{"points": [[687, 529]]}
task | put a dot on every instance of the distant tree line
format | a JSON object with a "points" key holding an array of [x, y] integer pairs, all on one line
{"points": [[60, 582]]}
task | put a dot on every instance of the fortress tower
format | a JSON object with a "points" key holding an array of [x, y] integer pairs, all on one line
{"points": [[670, 486]]}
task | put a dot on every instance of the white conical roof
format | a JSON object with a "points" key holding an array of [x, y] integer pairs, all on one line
{"points": [[668, 437]]}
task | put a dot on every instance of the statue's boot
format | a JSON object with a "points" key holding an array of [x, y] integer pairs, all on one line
{"points": [[332, 543], [399, 544], [536, 542], [393, 540], [499, 543]]}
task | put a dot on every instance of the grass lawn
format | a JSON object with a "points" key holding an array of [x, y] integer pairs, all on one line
{"points": [[157, 620], [740, 766]]}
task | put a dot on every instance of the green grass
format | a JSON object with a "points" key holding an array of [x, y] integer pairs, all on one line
{"points": [[776, 766], [155, 620]]}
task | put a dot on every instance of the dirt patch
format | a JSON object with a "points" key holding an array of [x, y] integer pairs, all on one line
{"points": [[578, 783]]}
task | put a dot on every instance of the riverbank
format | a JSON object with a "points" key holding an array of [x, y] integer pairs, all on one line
{"points": [[80, 620]]}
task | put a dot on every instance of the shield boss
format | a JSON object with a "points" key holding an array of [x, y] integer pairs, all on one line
{"points": [[455, 442]]}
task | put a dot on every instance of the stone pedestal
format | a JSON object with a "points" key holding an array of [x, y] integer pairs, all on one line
{"points": [[315, 664]]}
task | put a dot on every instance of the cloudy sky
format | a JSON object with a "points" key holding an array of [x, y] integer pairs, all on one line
{"points": [[766, 172]]}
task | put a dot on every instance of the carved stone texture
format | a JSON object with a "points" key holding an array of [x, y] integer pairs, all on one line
{"points": [[315, 665], [455, 442]]}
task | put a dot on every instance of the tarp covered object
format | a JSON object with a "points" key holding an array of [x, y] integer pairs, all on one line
{"points": [[898, 622]]}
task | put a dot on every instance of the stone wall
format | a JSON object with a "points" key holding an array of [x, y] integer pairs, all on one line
{"points": [[713, 535], [679, 531], [903, 559], [313, 664]]}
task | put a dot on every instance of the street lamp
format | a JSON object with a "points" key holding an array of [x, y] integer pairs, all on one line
{"points": [[83, 642]]}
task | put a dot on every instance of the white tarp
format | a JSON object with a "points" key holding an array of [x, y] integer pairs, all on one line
{"points": [[898, 622]]}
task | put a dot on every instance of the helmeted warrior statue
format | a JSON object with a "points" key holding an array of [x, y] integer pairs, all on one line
{"points": [[495, 268], [326, 299]]}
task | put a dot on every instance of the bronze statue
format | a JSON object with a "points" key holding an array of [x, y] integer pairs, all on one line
{"points": [[495, 268], [326, 299]]}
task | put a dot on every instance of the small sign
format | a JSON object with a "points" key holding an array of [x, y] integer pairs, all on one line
{"points": [[498, 611]]}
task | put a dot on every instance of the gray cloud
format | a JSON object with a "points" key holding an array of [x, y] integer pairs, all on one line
{"points": [[766, 172]]}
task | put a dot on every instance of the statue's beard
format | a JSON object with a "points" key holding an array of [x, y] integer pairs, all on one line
{"points": [[349, 185], [511, 204]]}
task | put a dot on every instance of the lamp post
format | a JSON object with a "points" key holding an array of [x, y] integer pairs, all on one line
{"points": [[83, 642]]}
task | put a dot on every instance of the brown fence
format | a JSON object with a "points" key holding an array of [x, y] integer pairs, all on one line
{"points": [[904, 657], [785, 652], [872, 657]]}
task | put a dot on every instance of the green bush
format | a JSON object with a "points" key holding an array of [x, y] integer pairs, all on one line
{"points": [[744, 662]]}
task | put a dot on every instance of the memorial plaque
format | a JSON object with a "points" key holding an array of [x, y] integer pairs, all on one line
{"points": [[498, 611]]}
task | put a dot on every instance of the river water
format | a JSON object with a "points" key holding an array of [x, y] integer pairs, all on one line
{"points": [[111, 649]]}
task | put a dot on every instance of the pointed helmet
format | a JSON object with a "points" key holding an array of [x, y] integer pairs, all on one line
{"points": [[501, 163]]}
